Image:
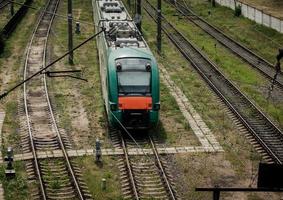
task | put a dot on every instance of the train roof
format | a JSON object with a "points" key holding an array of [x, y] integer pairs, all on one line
{"points": [[120, 29]]}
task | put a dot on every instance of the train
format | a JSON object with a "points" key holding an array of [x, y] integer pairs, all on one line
{"points": [[128, 70]]}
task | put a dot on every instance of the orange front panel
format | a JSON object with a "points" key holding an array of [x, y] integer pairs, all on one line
{"points": [[135, 103]]}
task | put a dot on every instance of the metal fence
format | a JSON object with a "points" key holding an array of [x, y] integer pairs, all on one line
{"points": [[255, 14]]}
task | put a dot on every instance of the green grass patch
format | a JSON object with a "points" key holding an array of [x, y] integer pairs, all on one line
{"points": [[261, 39], [72, 96], [93, 174], [16, 188], [246, 78], [197, 169], [11, 62], [5, 14]]}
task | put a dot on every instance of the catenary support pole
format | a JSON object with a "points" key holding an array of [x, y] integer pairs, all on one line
{"points": [[4, 94], [213, 3], [216, 195], [70, 32], [129, 4], [159, 26], [12, 8], [138, 15]]}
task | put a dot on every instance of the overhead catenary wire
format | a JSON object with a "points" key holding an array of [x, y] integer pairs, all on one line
{"points": [[60, 16], [64, 55], [4, 5], [130, 135], [51, 64], [65, 17], [57, 39], [147, 156]]}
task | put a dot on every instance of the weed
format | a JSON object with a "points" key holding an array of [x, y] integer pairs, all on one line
{"points": [[16, 188]]}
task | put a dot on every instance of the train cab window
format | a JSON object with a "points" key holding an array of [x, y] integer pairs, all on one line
{"points": [[134, 76]]}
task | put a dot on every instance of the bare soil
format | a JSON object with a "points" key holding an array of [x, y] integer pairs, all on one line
{"points": [[210, 170], [74, 99]]}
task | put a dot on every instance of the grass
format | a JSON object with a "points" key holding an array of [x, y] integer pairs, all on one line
{"points": [[184, 76], [93, 174], [74, 98], [54, 180], [16, 188], [12, 138], [173, 126], [90, 92], [201, 169], [263, 40], [5, 15], [247, 79], [11, 61]]}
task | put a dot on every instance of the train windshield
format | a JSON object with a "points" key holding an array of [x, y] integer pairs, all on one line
{"points": [[133, 76]]}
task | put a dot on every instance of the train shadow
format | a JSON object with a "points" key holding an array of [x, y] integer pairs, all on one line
{"points": [[158, 133]]}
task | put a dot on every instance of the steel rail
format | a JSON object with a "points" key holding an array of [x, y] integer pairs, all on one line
{"points": [[161, 168], [253, 59], [3, 4], [255, 120], [134, 187], [71, 171], [38, 171], [35, 159]]}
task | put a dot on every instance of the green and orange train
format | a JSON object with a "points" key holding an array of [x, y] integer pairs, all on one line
{"points": [[128, 69]]}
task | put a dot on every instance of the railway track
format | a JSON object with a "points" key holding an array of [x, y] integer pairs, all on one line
{"points": [[262, 129], [3, 4], [258, 63], [146, 176], [54, 178]]}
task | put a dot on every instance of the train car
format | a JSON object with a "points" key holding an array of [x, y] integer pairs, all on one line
{"points": [[128, 69]]}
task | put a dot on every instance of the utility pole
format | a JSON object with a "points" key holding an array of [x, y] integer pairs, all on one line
{"points": [[159, 26], [12, 8], [134, 7], [138, 17], [70, 32], [213, 3], [129, 4]]}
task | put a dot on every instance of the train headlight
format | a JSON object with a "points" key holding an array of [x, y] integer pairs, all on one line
{"points": [[148, 67], [118, 67]]}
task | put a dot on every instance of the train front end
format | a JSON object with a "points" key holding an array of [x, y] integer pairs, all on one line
{"points": [[134, 89]]}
